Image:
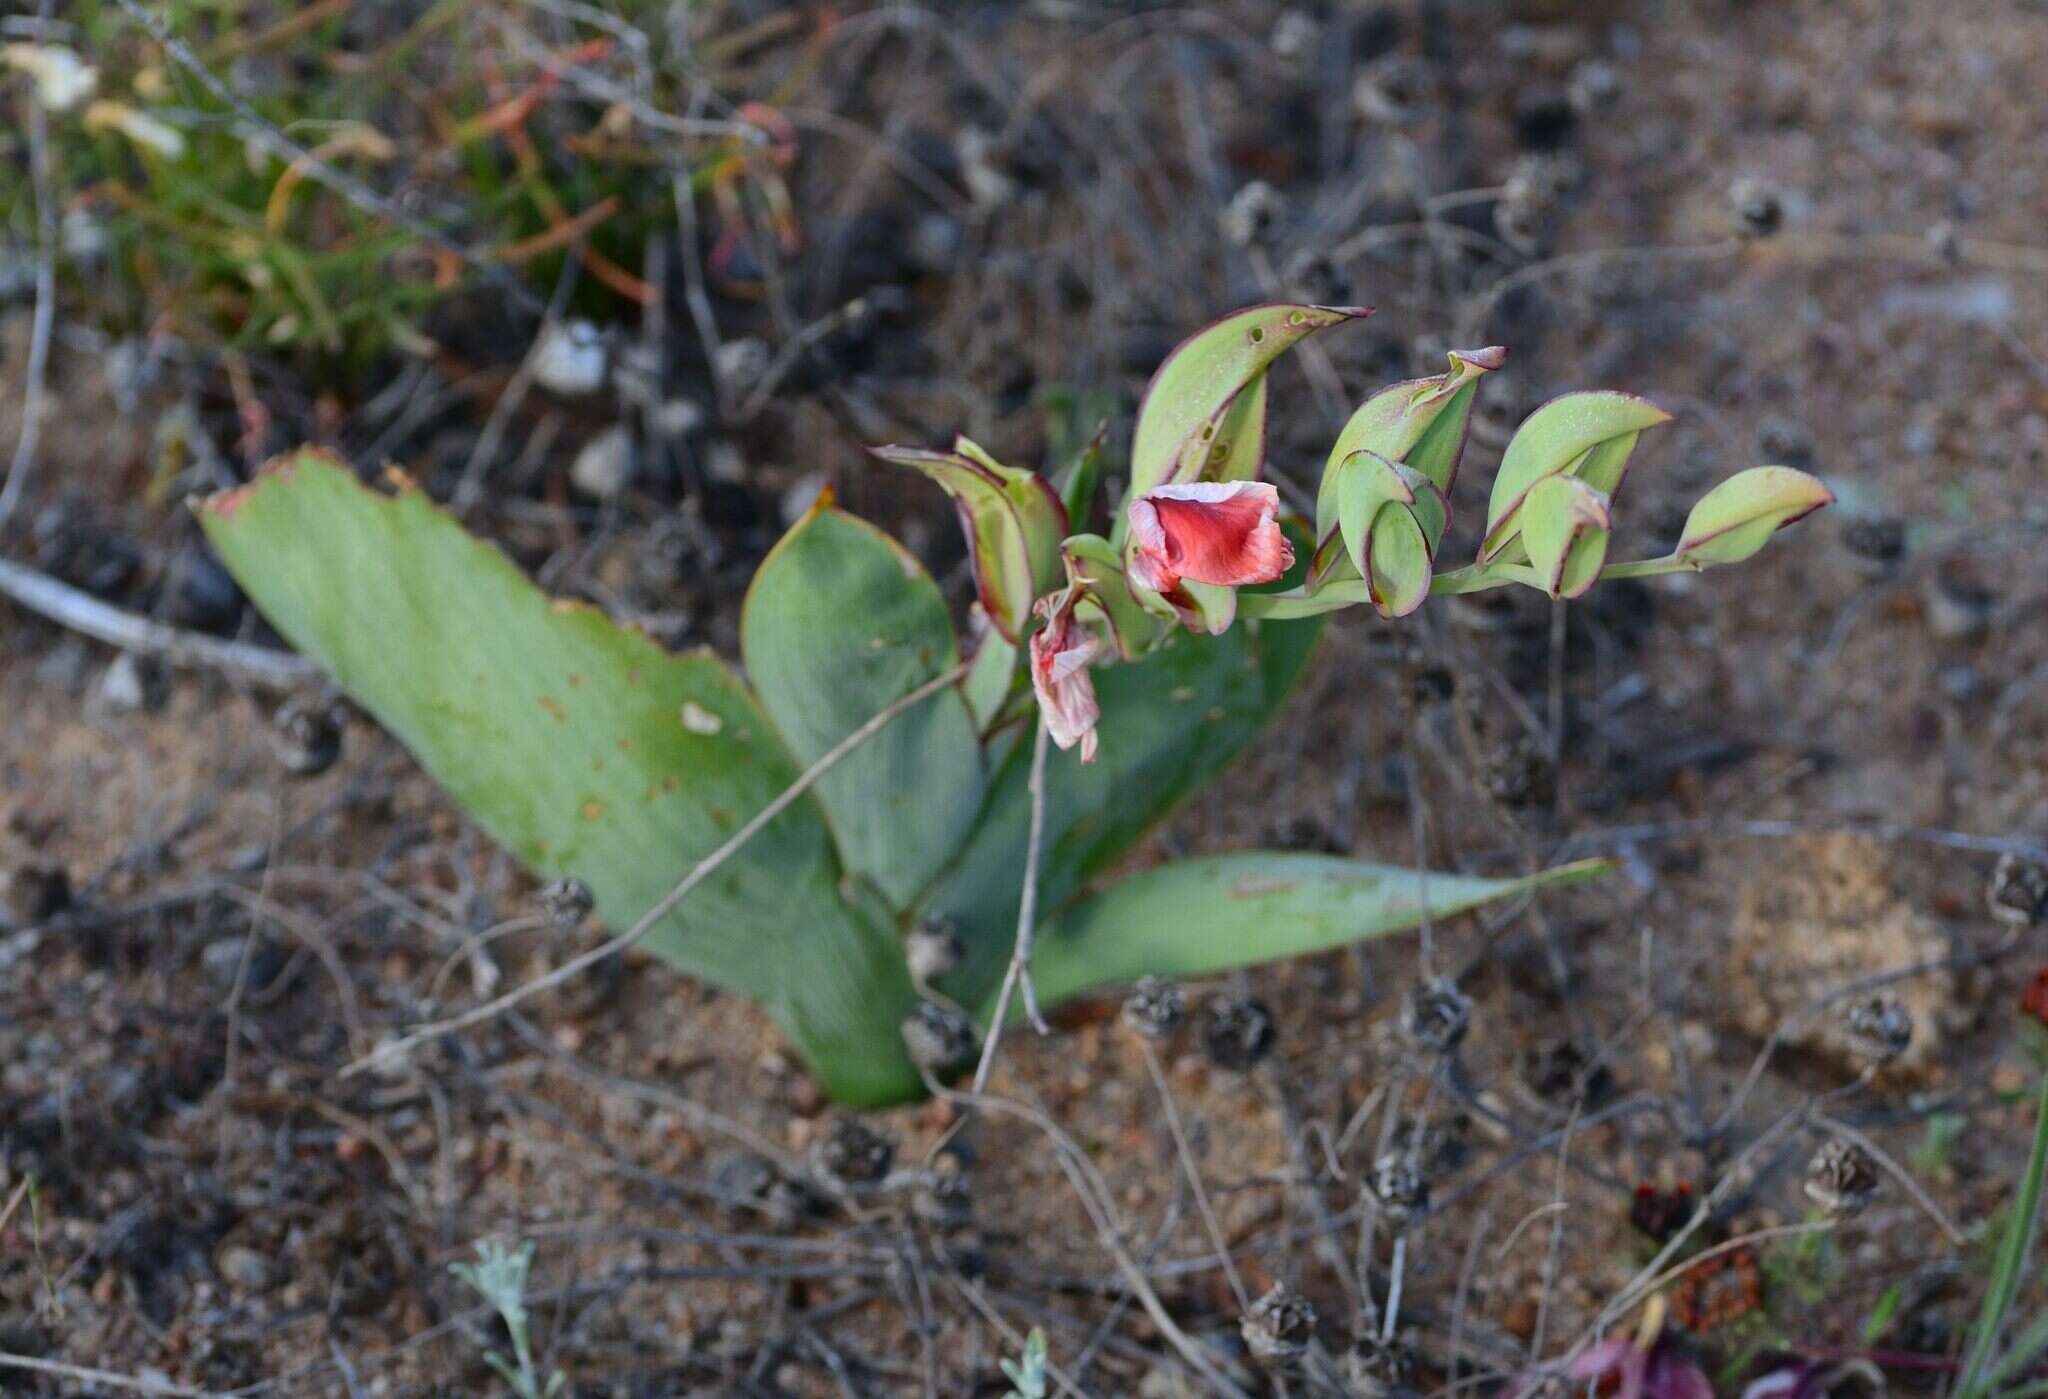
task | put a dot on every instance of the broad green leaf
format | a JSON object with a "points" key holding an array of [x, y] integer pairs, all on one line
{"points": [[991, 679], [1169, 724], [1199, 380], [1013, 521], [1565, 524], [1563, 437], [583, 747], [1739, 516], [1238, 452], [840, 623], [1200, 916], [1421, 422]]}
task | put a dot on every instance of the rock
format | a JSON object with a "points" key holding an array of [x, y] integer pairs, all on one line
{"points": [[1828, 917], [569, 358]]}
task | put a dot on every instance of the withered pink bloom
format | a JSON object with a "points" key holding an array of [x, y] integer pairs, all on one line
{"points": [[1222, 532], [1060, 653]]}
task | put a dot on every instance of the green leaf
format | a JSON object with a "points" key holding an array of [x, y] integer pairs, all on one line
{"points": [[1738, 517], [840, 623], [1195, 917], [1420, 422], [1169, 724], [1563, 436], [991, 679], [1013, 521], [1195, 386], [1565, 524], [582, 747]]}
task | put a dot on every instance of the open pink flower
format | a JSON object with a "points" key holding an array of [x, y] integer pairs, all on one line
{"points": [[1222, 532], [1060, 653]]}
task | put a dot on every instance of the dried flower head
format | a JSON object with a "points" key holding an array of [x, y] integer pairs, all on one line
{"points": [[1557, 1072], [1379, 1369], [1879, 1027], [1518, 772], [1398, 1187], [1237, 1032], [1436, 1015], [1155, 1008], [939, 1038], [1279, 1325], [306, 735], [933, 949], [567, 901], [1758, 207], [1842, 1178], [2018, 893], [853, 1154]]}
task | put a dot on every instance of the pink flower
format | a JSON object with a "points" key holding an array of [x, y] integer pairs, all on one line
{"points": [[1225, 533], [1659, 1372], [1060, 653]]}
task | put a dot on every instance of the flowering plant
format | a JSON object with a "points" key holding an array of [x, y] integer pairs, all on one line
{"points": [[866, 795]]}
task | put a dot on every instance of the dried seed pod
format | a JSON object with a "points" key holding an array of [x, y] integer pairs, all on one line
{"points": [[1279, 1325], [1398, 1187], [1758, 207], [1436, 1015], [1842, 1178], [1155, 1008], [306, 735], [853, 1154], [1518, 772], [939, 1038], [1252, 213], [567, 901], [1662, 1213], [1379, 1369], [2018, 892], [1237, 1032], [933, 949], [1879, 1027], [1557, 1072]]}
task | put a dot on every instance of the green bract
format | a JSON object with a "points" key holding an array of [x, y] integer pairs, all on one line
{"points": [[1161, 651]]}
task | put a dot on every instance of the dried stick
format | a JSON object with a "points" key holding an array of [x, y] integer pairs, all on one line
{"points": [[108, 1378], [81, 612], [703, 870], [1187, 1161], [1027, 916]]}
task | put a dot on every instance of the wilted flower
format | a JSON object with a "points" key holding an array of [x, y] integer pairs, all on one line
{"points": [[1223, 533], [1060, 653], [61, 79]]}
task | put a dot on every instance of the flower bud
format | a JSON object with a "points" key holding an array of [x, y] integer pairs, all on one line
{"points": [[1014, 522], [1390, 518], [1589, 436], [1565, 525], [1739, 516]]}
